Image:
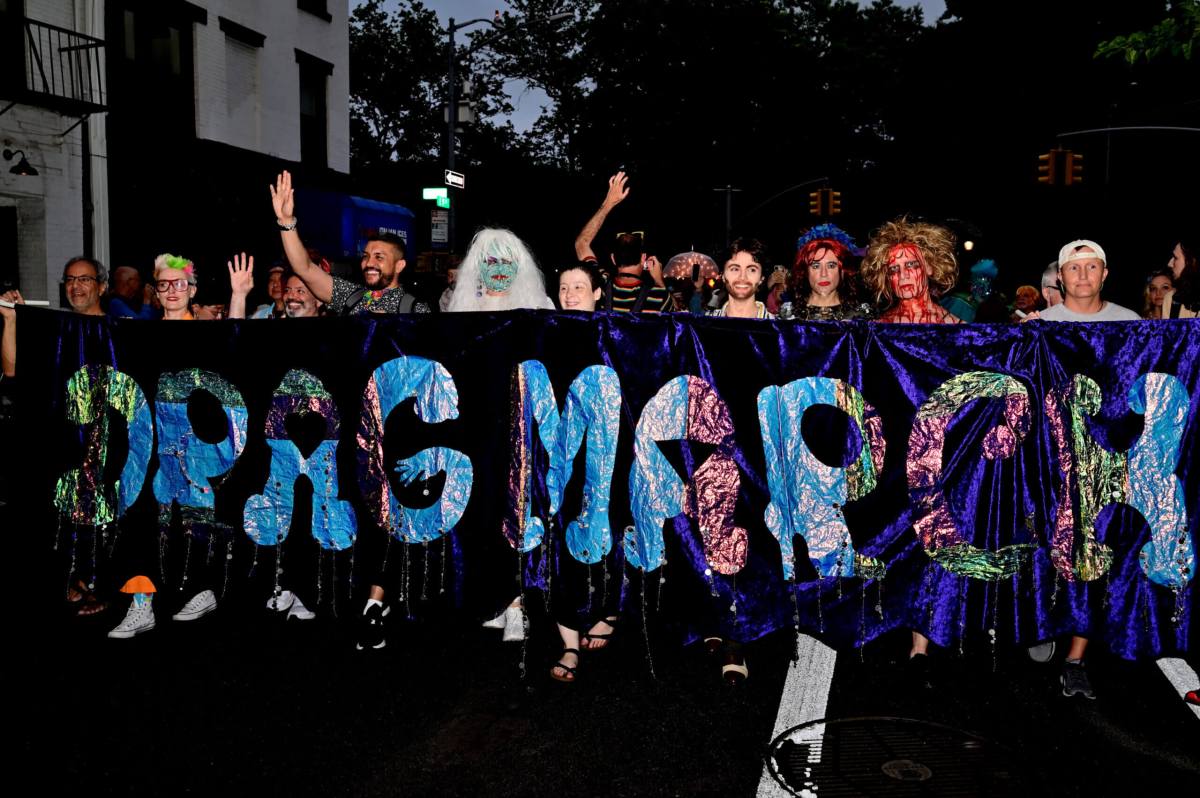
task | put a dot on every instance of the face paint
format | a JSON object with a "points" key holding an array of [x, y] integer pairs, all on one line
{"points": [[498, 270], [906, 273]]}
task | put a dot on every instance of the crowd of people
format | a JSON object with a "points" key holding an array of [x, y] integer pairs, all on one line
{"points": [[907, 273]]}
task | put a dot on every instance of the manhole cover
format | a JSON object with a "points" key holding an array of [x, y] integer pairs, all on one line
{"points": [[887, 756]]}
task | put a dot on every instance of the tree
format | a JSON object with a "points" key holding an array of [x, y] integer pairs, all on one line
{"points": [[1177, 36]]}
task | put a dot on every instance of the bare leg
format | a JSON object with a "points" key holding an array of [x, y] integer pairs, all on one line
{"points": [[376, 594], [920, 645], [1078, 647], [570, 639]]}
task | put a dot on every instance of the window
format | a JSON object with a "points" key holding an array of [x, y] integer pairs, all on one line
{"points": [[315, 7], [314, 112], [241, 89]]}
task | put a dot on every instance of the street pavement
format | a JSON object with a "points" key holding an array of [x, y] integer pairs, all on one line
{"points": [[242, 703]]}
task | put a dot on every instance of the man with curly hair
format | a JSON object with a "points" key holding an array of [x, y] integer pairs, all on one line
{"points": [[908, 263]]}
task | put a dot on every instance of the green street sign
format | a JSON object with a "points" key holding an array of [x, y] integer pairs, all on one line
{"points": [[443, 202], [435, 194]]}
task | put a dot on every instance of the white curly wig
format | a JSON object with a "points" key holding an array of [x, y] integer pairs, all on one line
{"points": [[528, 288]]}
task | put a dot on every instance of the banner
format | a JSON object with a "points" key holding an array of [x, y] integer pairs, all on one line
{"points": [[992, 482]]}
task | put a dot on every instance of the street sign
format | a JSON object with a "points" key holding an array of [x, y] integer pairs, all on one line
{"points": [[443, 202], [456, 179], [434, 193], [439, 227]]}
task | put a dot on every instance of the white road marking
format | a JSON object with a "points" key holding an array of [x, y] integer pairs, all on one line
{"points": [[1181, 677], [805, 698]]}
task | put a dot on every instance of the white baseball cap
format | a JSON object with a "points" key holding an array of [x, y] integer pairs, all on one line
{"points": [[1068, 253]]}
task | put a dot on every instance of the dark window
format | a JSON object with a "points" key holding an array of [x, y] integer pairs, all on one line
{"points": [[316, 8], [314, 111]]}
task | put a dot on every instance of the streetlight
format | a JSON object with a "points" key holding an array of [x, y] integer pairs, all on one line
{"points": [[451, 91]]}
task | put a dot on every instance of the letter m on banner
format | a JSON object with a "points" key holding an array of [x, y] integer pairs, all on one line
{"points": [[592, 408]]}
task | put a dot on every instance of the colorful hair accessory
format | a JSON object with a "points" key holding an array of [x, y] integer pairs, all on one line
{"points": [[169, 261], [833, 233]]}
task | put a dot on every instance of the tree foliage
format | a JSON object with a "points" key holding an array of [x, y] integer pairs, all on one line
{"points": [[1177, 36]]}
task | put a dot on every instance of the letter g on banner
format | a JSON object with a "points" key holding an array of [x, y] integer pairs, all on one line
{"points": [[437, 401]]}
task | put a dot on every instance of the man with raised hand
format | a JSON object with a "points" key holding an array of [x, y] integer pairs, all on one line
{"points": [[637, 286], [383, 259]]}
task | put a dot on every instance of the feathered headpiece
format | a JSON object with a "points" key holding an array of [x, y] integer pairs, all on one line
{"points": [[831, 232]]}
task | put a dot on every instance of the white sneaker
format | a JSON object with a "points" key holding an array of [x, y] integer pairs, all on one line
{"points": [[499, 622], [298, 610], [514, 625], [198, 606], [137, 619], [282, 602]]}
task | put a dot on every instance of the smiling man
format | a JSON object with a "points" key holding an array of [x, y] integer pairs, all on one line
{"points": [[383, 259], [1082, 270], [743, 276]]}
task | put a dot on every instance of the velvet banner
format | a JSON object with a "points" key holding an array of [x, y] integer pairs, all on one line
{"points": [[990, 483]]}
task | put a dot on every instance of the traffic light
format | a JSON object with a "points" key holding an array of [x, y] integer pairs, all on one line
{"points": [[835, 203], [814, 203], [1073, 173], [1047, 167]]}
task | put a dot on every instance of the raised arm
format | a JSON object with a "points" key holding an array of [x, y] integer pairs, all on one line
{"points": [[617, 191], [8, 338], [241, 280], [318, 282]]}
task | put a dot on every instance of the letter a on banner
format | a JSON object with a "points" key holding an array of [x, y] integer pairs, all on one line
{"points": [[268, 515], [686, 408]]}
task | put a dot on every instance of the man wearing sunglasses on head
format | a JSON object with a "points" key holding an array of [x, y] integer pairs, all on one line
{"points": [[637, 286]]}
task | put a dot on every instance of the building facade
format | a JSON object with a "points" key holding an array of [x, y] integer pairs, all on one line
{"points": [[156, 125]]}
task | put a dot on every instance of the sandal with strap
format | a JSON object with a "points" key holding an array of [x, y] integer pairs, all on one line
{"points": [[90, 605], [585, 639], [568, 673]]}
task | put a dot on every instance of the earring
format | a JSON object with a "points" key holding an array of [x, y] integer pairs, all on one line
{"points": [[478, 290]]}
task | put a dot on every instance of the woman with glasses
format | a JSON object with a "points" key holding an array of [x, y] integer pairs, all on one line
{"points": [[175, 286]]}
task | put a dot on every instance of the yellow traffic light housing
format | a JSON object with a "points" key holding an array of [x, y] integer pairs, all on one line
{"points": [[1047, 171], [1073, 173], [814, 203], [835, 203]]}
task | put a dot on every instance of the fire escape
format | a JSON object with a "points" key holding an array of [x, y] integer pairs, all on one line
{"points": [[51, 67]]}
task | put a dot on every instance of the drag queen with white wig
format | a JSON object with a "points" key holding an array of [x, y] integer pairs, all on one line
{"points": [[498, 273]]}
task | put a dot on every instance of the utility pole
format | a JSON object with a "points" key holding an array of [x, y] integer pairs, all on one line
{"points": [[729, 192]]}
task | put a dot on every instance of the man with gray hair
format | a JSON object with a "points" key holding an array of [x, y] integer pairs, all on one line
{"points": [[1051, 292], [84, 280]]}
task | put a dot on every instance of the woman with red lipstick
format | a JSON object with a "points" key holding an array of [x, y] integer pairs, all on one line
{"points": [[824, 290]]}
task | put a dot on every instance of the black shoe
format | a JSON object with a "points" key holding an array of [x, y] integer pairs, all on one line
{"points": [[1075, 680], [918, 671], [370, 630]]}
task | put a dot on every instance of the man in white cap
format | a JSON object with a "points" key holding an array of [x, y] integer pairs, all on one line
{"points": [[1082, 269]]}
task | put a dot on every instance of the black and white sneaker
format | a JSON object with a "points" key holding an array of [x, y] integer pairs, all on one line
{"points": [[370, 630]]}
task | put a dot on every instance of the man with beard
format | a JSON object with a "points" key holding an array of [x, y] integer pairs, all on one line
{"points": [[298, 301], [382, 262], [84, 281], [742, 275]]}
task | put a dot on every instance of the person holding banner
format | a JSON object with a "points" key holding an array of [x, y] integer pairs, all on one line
{"points": [[905, 262]]}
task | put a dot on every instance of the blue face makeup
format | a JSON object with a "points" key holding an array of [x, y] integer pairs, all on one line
{"points": [[498, 273]]}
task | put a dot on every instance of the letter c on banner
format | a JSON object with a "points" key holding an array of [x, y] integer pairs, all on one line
{"points": [[807, 495], [686, 408], [935, 525], [437, 400], [80, 494]]}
